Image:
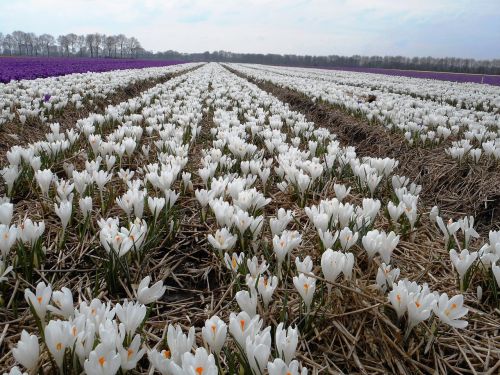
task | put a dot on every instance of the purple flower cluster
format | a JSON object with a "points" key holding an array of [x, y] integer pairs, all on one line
{"points": [[16, 68], [442, 76]]}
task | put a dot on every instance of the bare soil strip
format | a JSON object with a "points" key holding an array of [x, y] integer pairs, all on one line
{"points": [[456, 190]]}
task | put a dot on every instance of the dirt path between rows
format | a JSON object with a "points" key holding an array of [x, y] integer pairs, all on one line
{"points": [[469, 189]]}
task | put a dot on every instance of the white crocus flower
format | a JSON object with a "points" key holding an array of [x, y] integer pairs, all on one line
{"points": [[258, 350], [161, 361], [27, 351], [178, 342], [64, 211], [58, 338], [347, 238], [286, 342], [266, 287], [449, 311], [103, 360], [62, 303], [304, 266], [6, 213], [332, 265], [146, 294], [214, 333], [462, 261], [386, 276], [201, 363], [242, 326], [40, 299], [44, 179], [223, 240], [132, 354], [8, 237], [247, 302], [279, 367], [131, 315], [306, 286]]}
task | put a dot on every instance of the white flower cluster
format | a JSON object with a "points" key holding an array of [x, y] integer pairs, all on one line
{"points": [[133, 165], [427, 112], [41, 98]]}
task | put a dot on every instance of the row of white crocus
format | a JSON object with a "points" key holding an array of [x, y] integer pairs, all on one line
{"points": [[236, 205], [176, 101], [458, 234], [100, 338], [105, 358], [421, 121], [462, 95], [407, 197], [41, 98]]}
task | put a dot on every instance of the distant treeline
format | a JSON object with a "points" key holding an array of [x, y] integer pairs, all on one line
{"points": [[447, 64], [20, 43]]}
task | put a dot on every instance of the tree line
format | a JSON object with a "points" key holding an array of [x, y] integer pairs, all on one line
{"points": [[20, 43], [98, 45], [446, 64]]}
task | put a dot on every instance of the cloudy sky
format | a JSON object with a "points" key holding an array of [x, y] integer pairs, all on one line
{"points": [[461, 28]]}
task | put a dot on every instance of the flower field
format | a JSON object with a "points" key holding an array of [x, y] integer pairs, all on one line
{"points": [[211, 219], [441, 76], [18, 68]]}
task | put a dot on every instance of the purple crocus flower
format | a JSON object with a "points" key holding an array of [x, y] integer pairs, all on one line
{"points": [[17, 68]]}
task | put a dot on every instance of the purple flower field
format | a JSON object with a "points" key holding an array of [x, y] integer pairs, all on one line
{"points": [[442, 76], [16, 68]]}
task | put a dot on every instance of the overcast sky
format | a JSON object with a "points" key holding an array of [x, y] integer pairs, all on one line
{"points": [[461, 28]]}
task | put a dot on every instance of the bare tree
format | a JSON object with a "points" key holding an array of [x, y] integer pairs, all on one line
{"points": [[80, 43], [9, 44], [98, 42], [110, 43], [72, 42], [121, 40], [31, 44], [89, 41], [133, 46], [37, 45], [64, 44], [47, 41], [19, 38], [2, 38]]}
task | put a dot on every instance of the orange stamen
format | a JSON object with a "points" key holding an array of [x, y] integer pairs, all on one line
{"points": [[102, 361]]}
